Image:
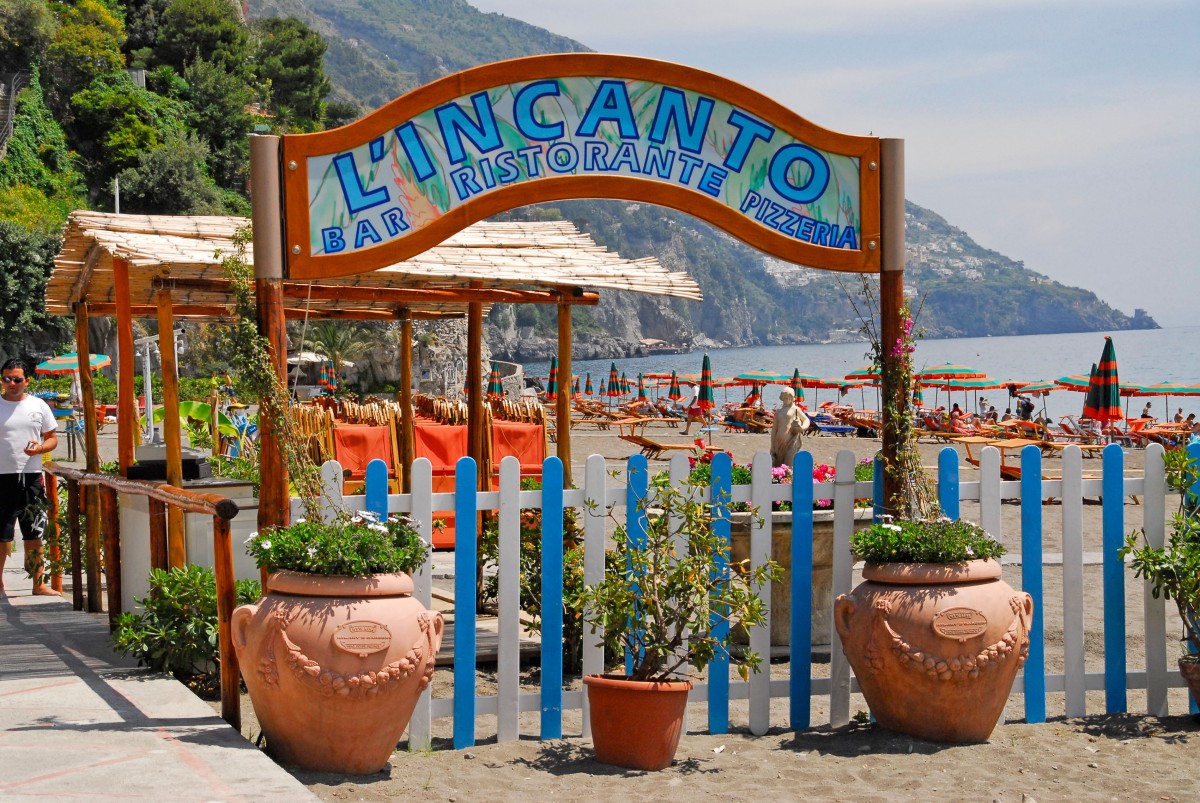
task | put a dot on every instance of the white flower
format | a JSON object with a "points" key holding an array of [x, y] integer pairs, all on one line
{"points": [[298, 521], [381, 528], [356, 519], [266, 544], [970, 552], [895, 527], [312, 551], [252, 536]]}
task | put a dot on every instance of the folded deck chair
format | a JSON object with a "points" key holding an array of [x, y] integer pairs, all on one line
{"points": [[653, 449]]}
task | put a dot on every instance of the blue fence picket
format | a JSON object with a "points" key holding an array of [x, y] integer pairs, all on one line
{"points": [[1113, 480], [465, 519], [877, 488], [948, 482], [636, 488], [800, 677], [552, 598], [376, 489], [718, 668], [1032, 582]]}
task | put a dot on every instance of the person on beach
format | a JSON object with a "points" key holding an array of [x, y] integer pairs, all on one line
{"points": [[1008, 416], [1179, 416], [787, 430], [955, 412], [1146, 411], [27, 431]]}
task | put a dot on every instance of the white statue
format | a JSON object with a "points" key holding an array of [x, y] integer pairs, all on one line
{"points": [[787, 430]]}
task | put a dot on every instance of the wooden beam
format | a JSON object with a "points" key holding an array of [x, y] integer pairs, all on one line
{"points": [[891, 300], [562, 407], [273, 477], [176, 538], [475, 428], [151, 310], [407, 435], [220, 311], [397, 295], [92, 458], [111, 517], [231, 706], [127, 418]]}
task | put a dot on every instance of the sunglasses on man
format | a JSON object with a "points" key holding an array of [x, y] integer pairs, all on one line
{"points": [[16, 380]]}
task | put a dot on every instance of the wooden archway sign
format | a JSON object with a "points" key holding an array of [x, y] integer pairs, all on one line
{"points": [[578, 125]]}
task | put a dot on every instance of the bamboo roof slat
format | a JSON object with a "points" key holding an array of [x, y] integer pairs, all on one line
{"points": [[521, 255]]}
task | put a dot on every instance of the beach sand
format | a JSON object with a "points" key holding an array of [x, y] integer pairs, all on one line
{"points": [[1096, 757]]}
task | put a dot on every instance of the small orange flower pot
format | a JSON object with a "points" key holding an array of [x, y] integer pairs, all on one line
{"points": [[636, 724]]}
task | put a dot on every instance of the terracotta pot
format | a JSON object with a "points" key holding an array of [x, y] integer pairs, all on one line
{"points": [[1189, 667], [780, 605], [636, 724], [935, 647], [334, 666]]}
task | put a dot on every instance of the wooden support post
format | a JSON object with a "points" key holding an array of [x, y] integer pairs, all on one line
{"points": [[91, 456], [111, 518], [891, 299], [51, 483], [214, 422], [127, 417], [562, 416], [231, 709], [73, 489], [407, 435], [475, 422], [268, 278], [176, 538], [158, 534]]}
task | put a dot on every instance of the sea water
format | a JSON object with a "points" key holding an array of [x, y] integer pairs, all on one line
{"points": [[1144, 357]]}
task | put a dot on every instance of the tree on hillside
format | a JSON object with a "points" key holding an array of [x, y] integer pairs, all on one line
{"points": [[290, 59], [217, 102], [86, 46], [202, 29], [170, 180], [26, 259], [25, 29], [142, 21]]}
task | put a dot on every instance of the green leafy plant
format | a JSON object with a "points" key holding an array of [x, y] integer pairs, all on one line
{"points": [[176, 632], [659, 599], [915, 541], [1174, 569], [351, 545]]}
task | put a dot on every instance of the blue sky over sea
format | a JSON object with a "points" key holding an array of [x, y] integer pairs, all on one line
{"points": [[1061, 133]]}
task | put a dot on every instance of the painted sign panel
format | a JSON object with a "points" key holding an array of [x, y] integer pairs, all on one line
{"points": [[525, 131]]}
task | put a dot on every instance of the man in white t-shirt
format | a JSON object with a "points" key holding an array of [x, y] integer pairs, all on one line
{"points": [[27, 431]]}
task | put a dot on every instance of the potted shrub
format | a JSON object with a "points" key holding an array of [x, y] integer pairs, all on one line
{"points": [[933, 634], [337, 651], [1174, 569], [668, 602]]}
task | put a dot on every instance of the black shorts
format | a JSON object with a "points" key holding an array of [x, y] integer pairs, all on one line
{"points": [[22, 501]]}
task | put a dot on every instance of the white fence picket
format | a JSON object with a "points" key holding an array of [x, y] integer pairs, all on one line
{"points": [[1155, 610], [594, 515], [843, 581], [508, 659], [420, 727], [1074, 667], [761, 536]]}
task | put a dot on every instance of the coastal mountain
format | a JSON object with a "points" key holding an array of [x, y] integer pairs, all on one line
{"points": [[379, 49]]}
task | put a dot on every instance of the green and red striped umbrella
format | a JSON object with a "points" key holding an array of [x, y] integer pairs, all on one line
{"points": [[706, 401], [1103, 400], [673, 392], [641, 396], [323, 378], [1166, 390], [762, 378], [495, 387], [552, 381], [587, 386], [575, 389], [614, 382], [949, 371], [798, 380], [69, 363]]}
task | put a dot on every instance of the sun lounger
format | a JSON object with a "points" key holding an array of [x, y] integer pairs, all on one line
{"points": [[653, 449], [827, 425]]}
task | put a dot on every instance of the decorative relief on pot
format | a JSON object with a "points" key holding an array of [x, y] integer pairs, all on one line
{"points": [[952, 667], [959, 623], [362, 637]]}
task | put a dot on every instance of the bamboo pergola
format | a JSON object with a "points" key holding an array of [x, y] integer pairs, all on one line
{"points": [[134, 266]]}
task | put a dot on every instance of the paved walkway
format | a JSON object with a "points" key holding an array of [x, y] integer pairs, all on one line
{"points": [[78, 721]]}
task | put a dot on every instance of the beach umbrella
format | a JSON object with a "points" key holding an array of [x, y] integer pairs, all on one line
{"points": [[1076, 382], [762, 378], [1103, 401], [614, 382], [69, 363], [587, 386], [798, 383], [1166, 390], [869, 373], [495, 388], [552, 382], [673, 392], [949, 371], [323, 377], [641, 396], [575, 389], [706, 400]]}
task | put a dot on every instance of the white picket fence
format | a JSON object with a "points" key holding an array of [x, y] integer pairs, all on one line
{"points": [[601, 494]]}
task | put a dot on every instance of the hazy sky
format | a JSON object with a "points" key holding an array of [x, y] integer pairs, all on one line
{"points": [[1064, 134]]}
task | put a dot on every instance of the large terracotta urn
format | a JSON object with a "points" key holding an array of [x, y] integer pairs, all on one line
{"points": [[935, 647], [334, 666], [636, 724], [780, 605]]}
